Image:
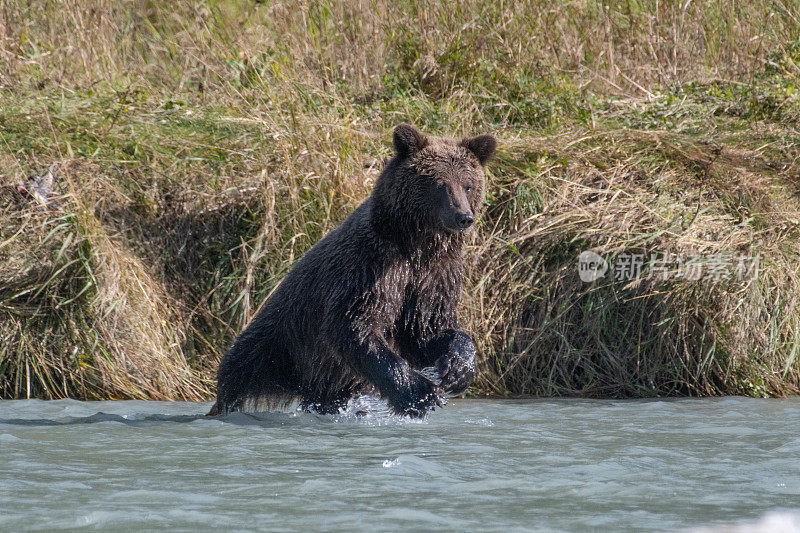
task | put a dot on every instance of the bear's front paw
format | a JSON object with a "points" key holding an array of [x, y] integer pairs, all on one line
{"points": [[456, 368], [456, 373], [416, 397]]}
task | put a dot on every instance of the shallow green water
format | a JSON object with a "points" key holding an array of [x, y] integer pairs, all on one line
{"points": [[492, 465]]}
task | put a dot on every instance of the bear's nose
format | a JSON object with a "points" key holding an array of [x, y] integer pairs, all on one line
{"points": [[465, 220]]}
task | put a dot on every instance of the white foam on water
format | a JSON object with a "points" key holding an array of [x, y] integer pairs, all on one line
{"points": [[778, 521], [479, 422]]}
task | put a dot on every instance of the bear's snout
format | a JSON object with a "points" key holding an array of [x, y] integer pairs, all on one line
{"points": [[464, 220], [455, 220], [455, 210]]}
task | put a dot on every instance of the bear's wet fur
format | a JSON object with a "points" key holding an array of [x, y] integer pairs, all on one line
{"points": [[375, 300]]}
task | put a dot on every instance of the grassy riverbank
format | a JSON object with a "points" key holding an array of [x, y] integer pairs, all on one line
{"points": [[198, 150]]}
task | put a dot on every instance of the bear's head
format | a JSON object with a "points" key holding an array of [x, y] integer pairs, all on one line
{"points": [[432, 185]]}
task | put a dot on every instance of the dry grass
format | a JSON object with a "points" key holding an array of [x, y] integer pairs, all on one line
{"points": [[199, 149], [554, 334]]}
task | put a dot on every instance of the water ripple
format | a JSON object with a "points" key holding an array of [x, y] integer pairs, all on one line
{"points": [[551, 465]]}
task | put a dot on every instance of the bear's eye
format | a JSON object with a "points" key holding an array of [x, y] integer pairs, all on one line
{"points": [[468, 189]]}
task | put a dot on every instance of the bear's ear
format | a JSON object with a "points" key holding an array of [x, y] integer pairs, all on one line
{"points": [[482, 146], [408, 141]]}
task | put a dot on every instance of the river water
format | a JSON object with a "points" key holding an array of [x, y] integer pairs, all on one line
{"points": [[533, 465]]}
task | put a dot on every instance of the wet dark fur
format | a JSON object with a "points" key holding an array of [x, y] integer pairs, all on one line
{"points": [[375, 300]]}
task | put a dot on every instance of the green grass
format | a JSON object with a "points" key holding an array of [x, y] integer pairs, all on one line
{"points": [[199, 151]]}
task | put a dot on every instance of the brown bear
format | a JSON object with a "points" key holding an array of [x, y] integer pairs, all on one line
{"points": [[374, 302]]}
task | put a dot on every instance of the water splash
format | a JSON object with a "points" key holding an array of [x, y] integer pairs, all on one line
{"points": [[372, 411], [432, 375]]}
